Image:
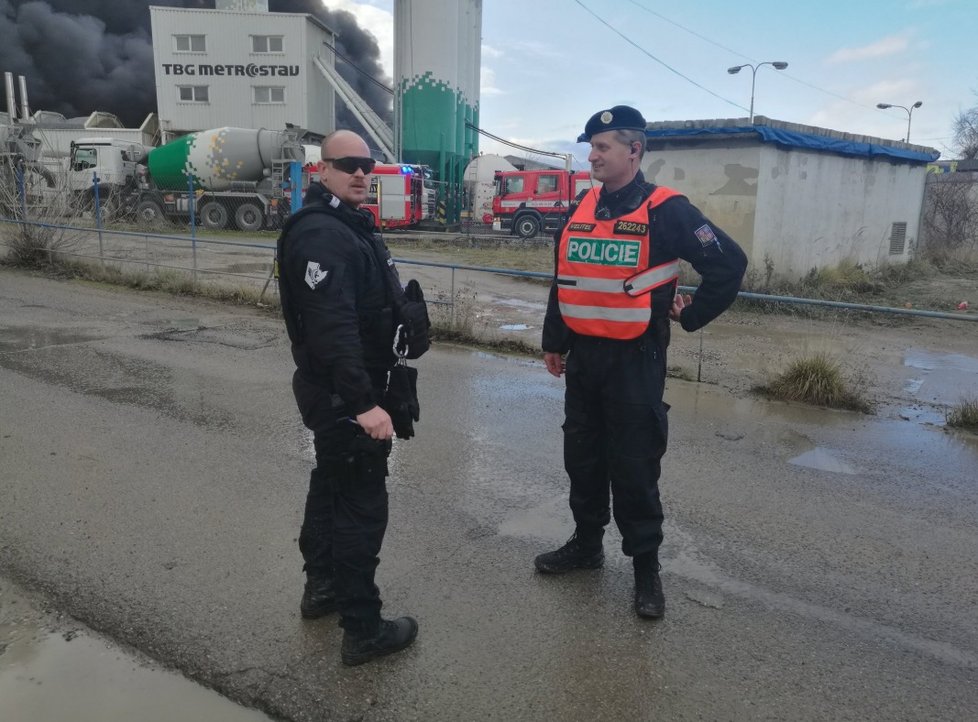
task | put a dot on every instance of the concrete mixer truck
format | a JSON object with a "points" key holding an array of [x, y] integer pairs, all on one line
{"points": [[238, 177]]}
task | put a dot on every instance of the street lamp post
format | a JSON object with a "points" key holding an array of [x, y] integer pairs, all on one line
{"points": [[776, 64], [884, 106]]}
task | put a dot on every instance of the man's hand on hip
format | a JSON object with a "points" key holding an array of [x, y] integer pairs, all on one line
{"points": [[678, 304]]}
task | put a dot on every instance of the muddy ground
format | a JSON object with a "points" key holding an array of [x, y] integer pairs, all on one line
{"points": [[818, 564]]}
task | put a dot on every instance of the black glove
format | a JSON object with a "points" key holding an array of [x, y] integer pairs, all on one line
{"points": [[412, 316], [401, 400]]}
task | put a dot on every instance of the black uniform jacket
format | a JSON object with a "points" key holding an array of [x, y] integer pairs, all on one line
{"points": [[335, 301], [678, 230]]}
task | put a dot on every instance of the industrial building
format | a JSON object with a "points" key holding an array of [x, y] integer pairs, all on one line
{"points": [[244, 67]]}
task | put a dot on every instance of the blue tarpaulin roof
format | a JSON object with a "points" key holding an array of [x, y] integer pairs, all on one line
{"points": [[794, 139]]}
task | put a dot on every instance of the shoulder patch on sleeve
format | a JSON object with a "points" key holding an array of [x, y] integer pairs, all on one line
{"points": [[706, 235], [315, 275]]}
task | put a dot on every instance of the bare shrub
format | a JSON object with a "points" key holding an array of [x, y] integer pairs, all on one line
{"points": [[453, 317], [950, 216], [42, 216], [966, 132]]}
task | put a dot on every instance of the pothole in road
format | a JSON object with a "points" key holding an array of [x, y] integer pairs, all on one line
{"points": [[220, 336]]}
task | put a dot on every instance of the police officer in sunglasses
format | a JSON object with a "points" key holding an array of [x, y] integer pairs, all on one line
{"points": [[337, 308]]}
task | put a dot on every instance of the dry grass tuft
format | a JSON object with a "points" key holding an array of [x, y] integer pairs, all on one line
{"points": [[964, 415], [816, 380]]}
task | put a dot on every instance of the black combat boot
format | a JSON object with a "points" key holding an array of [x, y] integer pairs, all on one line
{"points": [[362, 645], [577, 553], [650, 603], [319, 597]]}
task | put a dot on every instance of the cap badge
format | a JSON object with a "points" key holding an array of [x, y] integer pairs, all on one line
{"points": [[607, 117]]}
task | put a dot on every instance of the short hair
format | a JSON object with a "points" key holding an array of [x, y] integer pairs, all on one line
{"points": [[627, 137]]}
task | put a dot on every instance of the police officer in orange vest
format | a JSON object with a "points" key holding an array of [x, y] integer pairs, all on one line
{"points": [[607, 327]]}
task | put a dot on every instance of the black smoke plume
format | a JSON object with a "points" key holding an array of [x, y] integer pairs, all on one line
{"points": [[79, 56]]}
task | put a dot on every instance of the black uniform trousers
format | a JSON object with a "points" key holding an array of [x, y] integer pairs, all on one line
{"points": [[615, 435], [346, 507]]}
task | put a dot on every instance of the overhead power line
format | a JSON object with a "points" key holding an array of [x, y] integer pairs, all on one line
{"points": [[660, 62], [691, 32], [515, 145], [747, 57]]}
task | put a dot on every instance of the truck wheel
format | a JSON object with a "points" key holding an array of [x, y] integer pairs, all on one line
{"points": [[106, 203], [149, 213], [527, 226], [213, 216], [249, 217]]}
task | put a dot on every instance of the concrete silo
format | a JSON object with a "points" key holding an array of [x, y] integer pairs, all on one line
{"points": [[437, 85]]}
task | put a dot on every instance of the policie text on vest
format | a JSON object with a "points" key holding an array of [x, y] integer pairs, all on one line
{"points": [[604, 252]]}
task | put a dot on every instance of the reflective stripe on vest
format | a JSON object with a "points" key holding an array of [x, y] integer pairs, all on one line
{"points": [[637, 285], [622, 315], [603, 273], [649, 280]]}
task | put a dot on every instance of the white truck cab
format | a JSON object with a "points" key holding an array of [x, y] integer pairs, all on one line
{"points": [[113, 161]]}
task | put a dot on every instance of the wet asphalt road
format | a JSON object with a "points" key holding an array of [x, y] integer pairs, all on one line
{"points": [[817, 565]]}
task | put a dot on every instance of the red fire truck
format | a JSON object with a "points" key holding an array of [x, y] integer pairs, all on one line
{"points": [[528, 201], [400, 196]]}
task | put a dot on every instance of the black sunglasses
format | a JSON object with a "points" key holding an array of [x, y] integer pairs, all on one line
{"points": [[350, 163]]}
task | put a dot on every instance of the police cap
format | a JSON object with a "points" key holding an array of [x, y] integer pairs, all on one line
{"points": [[621, 117]]}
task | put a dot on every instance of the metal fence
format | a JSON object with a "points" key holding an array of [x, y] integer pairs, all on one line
{"points": [[205, 258]]}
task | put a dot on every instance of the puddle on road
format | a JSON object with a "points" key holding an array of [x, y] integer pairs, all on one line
{"points": [[913, 385], [922, 416], [928, 361], [50, 676], [706, 401], [823, 460], [21, 338], [944, 377], [87, 679]]}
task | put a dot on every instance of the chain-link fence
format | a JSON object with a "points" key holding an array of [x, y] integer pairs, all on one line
{"points": [[206, 236], [130, 203]]}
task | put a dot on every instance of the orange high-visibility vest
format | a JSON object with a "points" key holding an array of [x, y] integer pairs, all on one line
{"points": [[604, 283]]}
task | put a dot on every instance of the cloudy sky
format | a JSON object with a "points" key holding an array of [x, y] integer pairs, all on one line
{"points": [[549, 64]]}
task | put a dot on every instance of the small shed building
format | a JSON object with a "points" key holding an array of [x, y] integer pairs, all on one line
{"points": [[796, 197]]}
